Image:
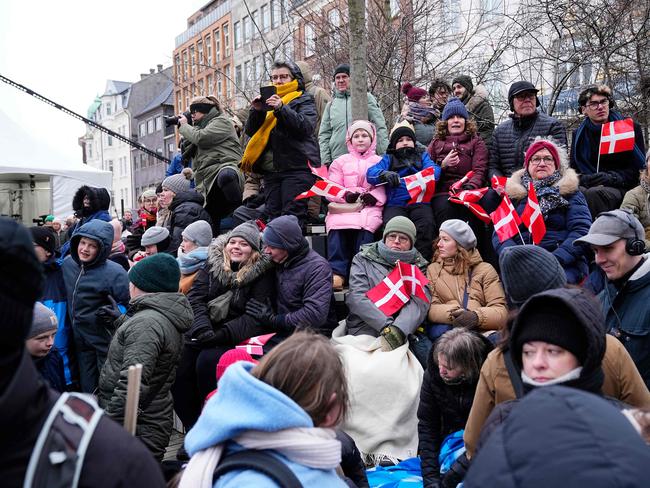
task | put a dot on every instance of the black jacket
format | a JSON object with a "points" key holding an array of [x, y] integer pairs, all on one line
{"points": [[114, 458], [512, 137], [186, 207]]}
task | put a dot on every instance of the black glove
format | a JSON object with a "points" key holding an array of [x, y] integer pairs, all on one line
{"points": [[207, 336], [595, 179], [456, 472], [351, 196], [106, 315], [368, 200], [260, 311], [390, 177], [465, 318]]}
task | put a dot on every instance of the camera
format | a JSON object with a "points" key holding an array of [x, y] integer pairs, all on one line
{"points": [[174, 119]]}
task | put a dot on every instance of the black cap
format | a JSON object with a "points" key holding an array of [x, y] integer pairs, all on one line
{"points": [[518, 87], [44, 237]]}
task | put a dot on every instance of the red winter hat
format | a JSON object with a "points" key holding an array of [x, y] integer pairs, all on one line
{"points": [[231, 357], [539, 145], [413, 93]]}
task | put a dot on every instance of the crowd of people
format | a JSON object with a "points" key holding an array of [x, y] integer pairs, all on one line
{"points": [[452, 338]]}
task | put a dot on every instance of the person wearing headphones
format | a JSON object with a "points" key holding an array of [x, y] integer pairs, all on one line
{"points": [[617, 240], [604, 178]]}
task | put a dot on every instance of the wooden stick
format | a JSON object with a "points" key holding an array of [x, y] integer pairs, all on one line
{"points": [[132, 397]]}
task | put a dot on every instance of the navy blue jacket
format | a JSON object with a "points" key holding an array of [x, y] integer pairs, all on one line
{"points": [[51, 369]]}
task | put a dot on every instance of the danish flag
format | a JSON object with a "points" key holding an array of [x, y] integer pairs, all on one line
{"points": [[323, 188], [458, 185], [255, 344], [470, 199], [617, 136], [396, 289], [421, 185], [532, 216], [320, 171], [499, 184], [506, 220]]}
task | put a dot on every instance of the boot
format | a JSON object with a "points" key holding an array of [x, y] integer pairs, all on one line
{"points": [[337, 282]]}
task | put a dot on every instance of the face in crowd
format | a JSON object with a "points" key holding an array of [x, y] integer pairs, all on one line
{"points": [[41, 345], [525, 103], [87, 250], [342, 81], [541, 164], [447, 370], [447, 246], [361, 141], [397, 241], [544, 362], [238, 250], [281, 76], [455, 125], [459, 90], [614, 259], [597, 109], [440, 97]]}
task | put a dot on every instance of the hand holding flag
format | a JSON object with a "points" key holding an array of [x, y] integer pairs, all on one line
{"points": [[421, 185], [470, 199], [459, 184], [323, 188], [396, 289], [532, 216], [506, 220]]}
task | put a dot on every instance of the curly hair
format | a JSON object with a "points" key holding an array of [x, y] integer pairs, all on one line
{"points": [[590, 91], [442, 130]]}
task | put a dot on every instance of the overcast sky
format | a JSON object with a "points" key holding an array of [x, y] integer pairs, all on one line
{"points": [[67, 50]]}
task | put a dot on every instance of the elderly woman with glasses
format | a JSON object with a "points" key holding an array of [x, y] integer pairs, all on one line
{"points": [[563, 207]]}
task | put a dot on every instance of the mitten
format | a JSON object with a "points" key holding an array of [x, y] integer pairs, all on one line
{"points": [[368, 199], [390, 177], [465, 318], [351, 196]]}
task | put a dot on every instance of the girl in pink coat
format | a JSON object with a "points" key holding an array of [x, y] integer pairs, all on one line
{"points": [[353, 219]]}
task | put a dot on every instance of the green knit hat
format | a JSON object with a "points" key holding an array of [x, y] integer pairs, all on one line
{"points": [[157, 273], [400, 224]]}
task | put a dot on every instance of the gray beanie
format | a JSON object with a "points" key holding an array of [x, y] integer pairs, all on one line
{"points": [[461, 232], [154, 235], [199, 232], [249, 232], [180, 182], [400, 224], [44, 320], [527, 270]]}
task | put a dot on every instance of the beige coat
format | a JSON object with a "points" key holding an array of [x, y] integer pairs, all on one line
{"points": [[636, 201], [486, 296]]}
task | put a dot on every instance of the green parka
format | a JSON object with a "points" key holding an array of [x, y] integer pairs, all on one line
{"points": [[217, 147], [150, 333]]}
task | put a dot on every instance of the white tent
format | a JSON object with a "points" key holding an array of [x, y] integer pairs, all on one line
{"points": [[34, 180]]}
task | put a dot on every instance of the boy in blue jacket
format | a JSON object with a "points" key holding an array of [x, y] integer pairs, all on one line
{"points": [[403, 158], [39, 344]]}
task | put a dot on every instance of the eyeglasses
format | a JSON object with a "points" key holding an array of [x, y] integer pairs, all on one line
{"points": [[280, 77], [525, 96], [394, 237], [546, 160], [151, 200], [597, 103]]}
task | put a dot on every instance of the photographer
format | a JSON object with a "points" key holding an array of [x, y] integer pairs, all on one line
{"points": [[215, 153]]}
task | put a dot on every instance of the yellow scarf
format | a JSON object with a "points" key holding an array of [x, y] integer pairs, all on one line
{"points": [[257, 144]]}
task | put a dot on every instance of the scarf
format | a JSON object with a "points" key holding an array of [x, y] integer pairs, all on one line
{"points": [[257, 144], [574, 374], [193, 260], [420, 113], [118, 246], [548, 194], [645, 185], [312, 447], [392, 256]]}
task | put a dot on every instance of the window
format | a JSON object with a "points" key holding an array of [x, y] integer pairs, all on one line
{"points": [[247, 74], [171, 147], [226, 71], [208, 50], [110, 165], [274, 8], [193, 60], [259, 68], [142, 130], [334, 20], [287, 50], [199, 46], [255, 24], [246, 23], [177, 67], [109, 107], [150, 126], [158, 123], [185, 66], [109, 140], [266, 18], [209, 87], [284, 10], [201, 87], [310, 40], [226, 39], [219, 85], [217, 46], [89, 151], [237, 33], [179, 102], [452, 16], [238, 77]]}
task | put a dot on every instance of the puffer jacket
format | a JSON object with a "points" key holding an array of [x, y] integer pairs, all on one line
{"points": [[212, 281], [217, 148], [336, 120], [485, 293], [472, 155], [368, 269], [350, 171], [563, 225], [100, 201], [443, 409], [150, 333], [512, 137], [88, 285], [185, 208], [480, 110], [636, 201]]}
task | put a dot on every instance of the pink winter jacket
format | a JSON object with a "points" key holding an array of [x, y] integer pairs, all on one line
{"points": [[349, 171]]}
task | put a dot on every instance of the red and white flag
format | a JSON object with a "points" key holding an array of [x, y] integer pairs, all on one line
{"points": [[469, 199], [323, 188], [499, 184], [459, 184], [320, 171], [255, 344], [414, 280], [532, 216], [617, 136], [390, 294], [421, 186], [506, 220]]}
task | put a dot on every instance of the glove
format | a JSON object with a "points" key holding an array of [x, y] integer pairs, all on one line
{"points": [[351, 196], [392, 337], [456, 472], [260, 311], [464, 318], [106, 315], [205, 336], [368, 200], [594, 179], [390, 177]]}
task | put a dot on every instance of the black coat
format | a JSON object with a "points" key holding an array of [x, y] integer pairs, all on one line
{"points": [[185, 208], [512, 137], [114, 458]]}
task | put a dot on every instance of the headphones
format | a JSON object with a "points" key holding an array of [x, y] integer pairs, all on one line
{"points": [[633, 245]]}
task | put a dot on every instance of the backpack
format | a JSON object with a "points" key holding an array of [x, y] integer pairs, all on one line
{"points": [[61, 446], [261, 461]]}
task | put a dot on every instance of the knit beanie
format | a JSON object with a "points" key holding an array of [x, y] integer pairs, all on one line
{"points": [[249, 232], [413, 93], [342, 68], [400, 224], [148, 194], [157, 273], [466, 81], [460, 232], [154, 235], [44, 320], [399, 130], [180, 182], [284, 232], [454, 107], [231, 357], [361, 124], [538, 145], [199, 232], [44, 237], [527, 270], [49, 218]]}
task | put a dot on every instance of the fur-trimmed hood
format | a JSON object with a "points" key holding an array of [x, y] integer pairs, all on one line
{"points": [[215, 265], [99, 198], [479, 95]]}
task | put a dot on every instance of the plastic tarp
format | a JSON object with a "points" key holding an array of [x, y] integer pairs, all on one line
{"points": [[23, 155]]}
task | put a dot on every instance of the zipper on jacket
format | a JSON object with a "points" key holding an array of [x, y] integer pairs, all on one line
{"points": [[74, 293]]}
